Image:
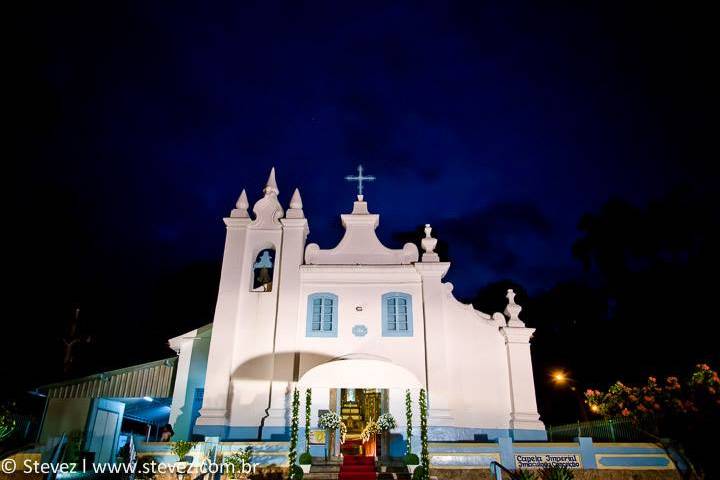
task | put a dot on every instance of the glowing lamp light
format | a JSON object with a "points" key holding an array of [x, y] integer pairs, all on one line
{"points": [[559, 376], [594, 408], [148, 399]]}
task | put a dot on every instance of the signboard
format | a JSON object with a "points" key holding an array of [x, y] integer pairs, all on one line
{"points": [[317, 437], [545, 460]]}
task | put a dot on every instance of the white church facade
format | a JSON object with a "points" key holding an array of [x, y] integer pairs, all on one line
{"points": [[359, 319]]}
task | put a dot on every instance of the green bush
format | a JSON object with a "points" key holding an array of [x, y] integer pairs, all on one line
{"points": [[305, 458], [411, 459], [418, 473], [181, 449], [297, 472], [524, 475], [556, 473], [237, 460]]}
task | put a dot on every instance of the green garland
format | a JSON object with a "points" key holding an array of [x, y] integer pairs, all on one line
{"points": [[292, 455], [424, 456], [408, 422], [308, 413]]}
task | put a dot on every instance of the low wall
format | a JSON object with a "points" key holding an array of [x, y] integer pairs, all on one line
{"points": [[264, 453], [472, 461], [486, 474], [583, 454]]}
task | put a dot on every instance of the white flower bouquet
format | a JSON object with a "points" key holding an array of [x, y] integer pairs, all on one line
{"points": [[330, 421], [371, 428], [386, 422]]}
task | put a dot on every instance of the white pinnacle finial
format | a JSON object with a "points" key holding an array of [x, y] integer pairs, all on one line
{"points": [[295, 210], [296, 201], [242, 202], [271, 185], [513, 310], [428, 244], [241, 206]]}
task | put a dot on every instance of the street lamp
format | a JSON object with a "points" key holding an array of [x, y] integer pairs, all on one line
{"points": [[560, 378]]}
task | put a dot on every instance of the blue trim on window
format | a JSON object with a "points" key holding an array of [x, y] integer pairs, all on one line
{"points": [[397, 316], [322, 316]]}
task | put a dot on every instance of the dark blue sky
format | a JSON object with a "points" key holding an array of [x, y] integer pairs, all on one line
{"points": [[499, 124]]}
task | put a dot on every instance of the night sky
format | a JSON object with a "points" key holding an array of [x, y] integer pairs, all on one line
{"points": [[138, 124]]}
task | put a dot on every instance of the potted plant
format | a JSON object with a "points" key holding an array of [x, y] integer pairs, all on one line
{"points": [[330, 421], [305, 462], [181, 448], [411, 462]]}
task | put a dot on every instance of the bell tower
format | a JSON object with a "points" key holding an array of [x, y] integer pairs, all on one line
{"points": [[242, 341]]}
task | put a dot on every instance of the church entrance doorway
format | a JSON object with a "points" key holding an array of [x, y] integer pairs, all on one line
{"points": [[359, 409]]}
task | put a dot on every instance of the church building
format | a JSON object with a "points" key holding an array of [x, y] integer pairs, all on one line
{"points": [[359, 329], [351, 322]]}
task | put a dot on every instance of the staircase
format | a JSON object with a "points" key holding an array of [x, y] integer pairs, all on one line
{"points": [[357, 467], [323, 470]]}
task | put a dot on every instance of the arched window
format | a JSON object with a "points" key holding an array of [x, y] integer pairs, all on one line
{"points": [[263, 269], [397, 318], [322, 320]]}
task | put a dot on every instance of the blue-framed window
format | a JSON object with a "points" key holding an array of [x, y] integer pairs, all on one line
{"points": [[397, 317], [322, 317]]}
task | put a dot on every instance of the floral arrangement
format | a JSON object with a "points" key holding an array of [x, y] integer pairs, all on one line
{"points": [[343, 432], [330, 421], [386, 422], [371, 428]]}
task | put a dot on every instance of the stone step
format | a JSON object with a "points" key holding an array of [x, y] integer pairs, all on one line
{"points": [[321, 476], [325, 468]]}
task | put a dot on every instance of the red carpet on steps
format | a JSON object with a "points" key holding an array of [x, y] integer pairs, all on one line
{"points": [[357, 467]]}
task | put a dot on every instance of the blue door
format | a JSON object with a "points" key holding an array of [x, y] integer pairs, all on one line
{"points": [[103, 429]]}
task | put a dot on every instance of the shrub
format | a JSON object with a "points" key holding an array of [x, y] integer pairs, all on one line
{"points": [[524, 475], [237, 460], [181, 448], [411, 459], [305, 458], [297, 472], [556, 473], [419, 473]]}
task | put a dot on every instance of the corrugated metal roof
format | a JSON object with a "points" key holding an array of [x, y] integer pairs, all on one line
{"points": [[154, 379]]}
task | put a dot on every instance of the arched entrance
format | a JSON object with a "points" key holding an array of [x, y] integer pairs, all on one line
{"points": [[359, 387]]}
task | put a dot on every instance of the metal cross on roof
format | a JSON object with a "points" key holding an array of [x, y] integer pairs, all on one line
{"points": [[360, 178]]}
